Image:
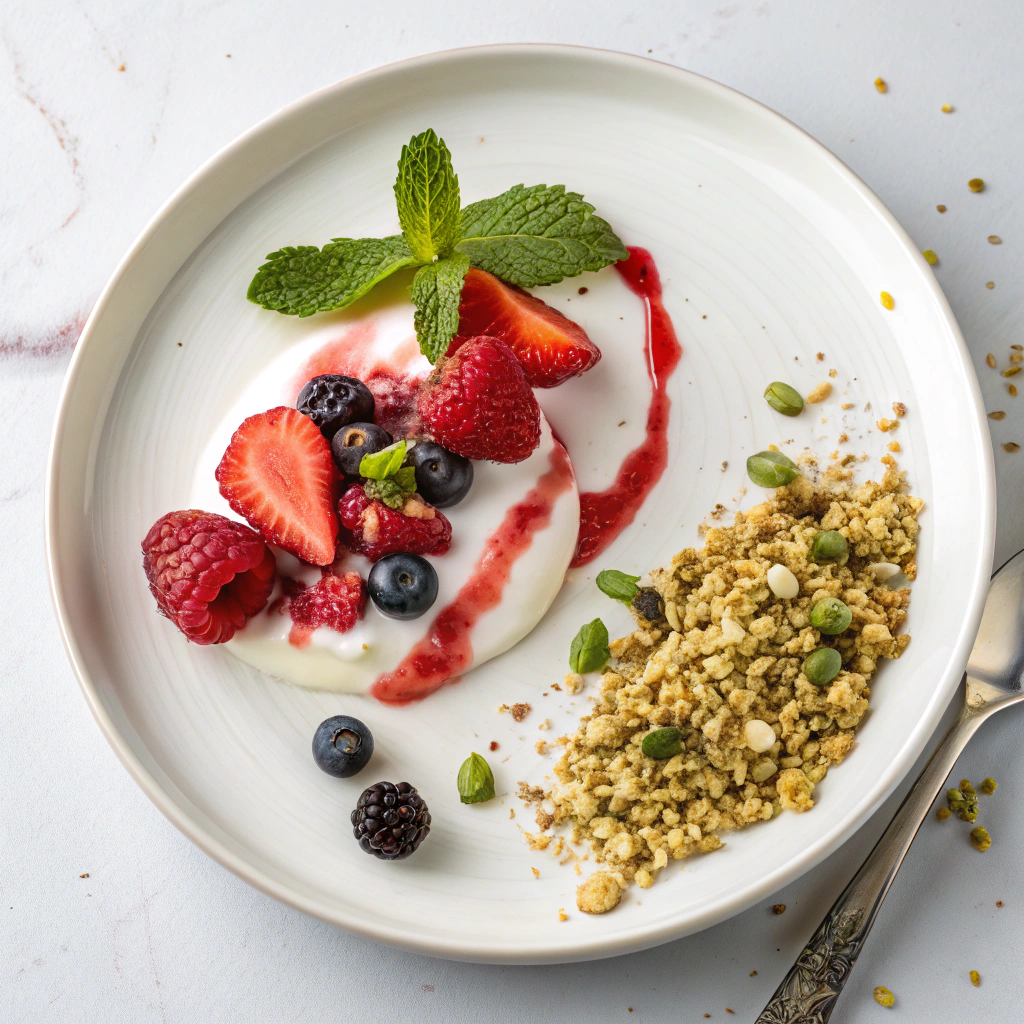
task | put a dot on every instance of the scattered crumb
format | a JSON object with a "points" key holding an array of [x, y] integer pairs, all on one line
{"points": [[881, 87], [727, 1010], [600, 893], [753, 973], [544, 820], [997, 415], [990, 361], [518, 711], [885, 425], [995, 240], [121, 68], [975, 978], [536, 873], [725, 466], [820, 357], [426, 988], [563, 916], [900, 409], [832, 372], [942, 813], [493, 745], [577, 868], [941, 208], [778, 908], [1011, 446], [546, 724], [85, 874], [976, 184], [894, 446], [1012, 388], [843, 438], [1011, 371], [580, 291], [946, 108], [556, 686], [819, 393], [999, 903], [990, 285], [883, 996], [930, 258], [573, 682], [541, 747], [511, 812], [887, 300], [530, 794], [846, 405]]}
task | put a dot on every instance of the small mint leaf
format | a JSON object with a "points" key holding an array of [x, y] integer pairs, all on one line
{"points": [[380, 465], [302, 280], [537, 235], [618, 585], [589, 649], [427, 193], [436, 291]]}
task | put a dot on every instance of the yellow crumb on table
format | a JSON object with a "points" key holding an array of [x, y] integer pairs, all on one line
{"points": [[536, 873], [880, 85], [946, 108], [975, 978], [883, 996], [887, 300], [941, 208], [995, 240], [990, 285], [976, 184], [930, 257]]}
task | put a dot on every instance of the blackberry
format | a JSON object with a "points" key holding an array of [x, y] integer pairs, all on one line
{"points": [[390, 821], [647, 604], [332, 400]]}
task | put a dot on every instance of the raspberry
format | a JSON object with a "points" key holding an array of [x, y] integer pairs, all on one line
{"points": [[209, 574], [479, 404], [335, 601], [370, 528]]}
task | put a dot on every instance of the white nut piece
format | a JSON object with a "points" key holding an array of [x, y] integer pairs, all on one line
{"points": [[783, 583], [759, 736], [884, 570]]}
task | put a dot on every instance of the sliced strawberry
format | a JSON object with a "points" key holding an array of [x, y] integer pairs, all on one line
{"points": [[278, 473], [550, 347]]}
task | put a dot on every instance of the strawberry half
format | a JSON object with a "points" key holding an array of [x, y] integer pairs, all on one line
{"points": [[278, 473], [550, 347]]}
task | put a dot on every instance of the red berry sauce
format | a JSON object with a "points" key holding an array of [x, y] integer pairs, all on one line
{"points": [[605, 514], [447, 649]]}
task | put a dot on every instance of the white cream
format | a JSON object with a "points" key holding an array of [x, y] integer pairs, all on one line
{"points": [[352, 661]]}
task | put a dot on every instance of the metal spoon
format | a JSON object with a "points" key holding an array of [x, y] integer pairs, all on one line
{"points": [[995, 672]]}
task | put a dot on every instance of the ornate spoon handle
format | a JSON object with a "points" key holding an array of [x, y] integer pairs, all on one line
{"points": [[809, 991]]}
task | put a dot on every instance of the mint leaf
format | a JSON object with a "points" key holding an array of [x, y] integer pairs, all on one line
{"points": [[537, 235], [380, 465], [618, 585], [427, 193], [436, 291], [589, 650], [302, 280], [476, 780]]}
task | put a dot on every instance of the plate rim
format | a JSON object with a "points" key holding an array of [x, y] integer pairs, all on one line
{"points": [[597, 946]]}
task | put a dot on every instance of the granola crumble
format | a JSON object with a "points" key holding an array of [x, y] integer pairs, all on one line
{"points": [[728, 653], [518, 711]]}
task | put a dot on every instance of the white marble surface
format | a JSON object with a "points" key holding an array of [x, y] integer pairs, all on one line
{"points": [[157, 932]]}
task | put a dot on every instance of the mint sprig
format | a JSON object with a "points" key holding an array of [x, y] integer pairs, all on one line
{"points": [[528, 236], [387, 480], [618, 585]]}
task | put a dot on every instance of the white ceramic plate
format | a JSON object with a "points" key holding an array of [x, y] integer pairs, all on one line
{"points": [[770, 251]]}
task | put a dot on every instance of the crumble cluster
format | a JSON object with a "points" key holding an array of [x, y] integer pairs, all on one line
{"points": [[724, 652]]}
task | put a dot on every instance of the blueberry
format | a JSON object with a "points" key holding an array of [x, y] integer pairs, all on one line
{"points": [[332, 400], [402, 586], [442, 477], [342, 746], [354, 441]]}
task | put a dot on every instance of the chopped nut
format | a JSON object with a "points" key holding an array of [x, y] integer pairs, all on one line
{"points": [[976, 184], [536, 873], [946, 108], [941, 208], [988, 786], [887, 300], [541, 747], [990, 285], [1012, 388], [997, 415], [894, 446], [1011, 371], [518, 711], [900, 409], [778, 908], [820, 393], [975, 978], [846, 405], [942, 813], [995, 240], [1011, 446], [990, 360], [980, 839], [880, 84]]}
